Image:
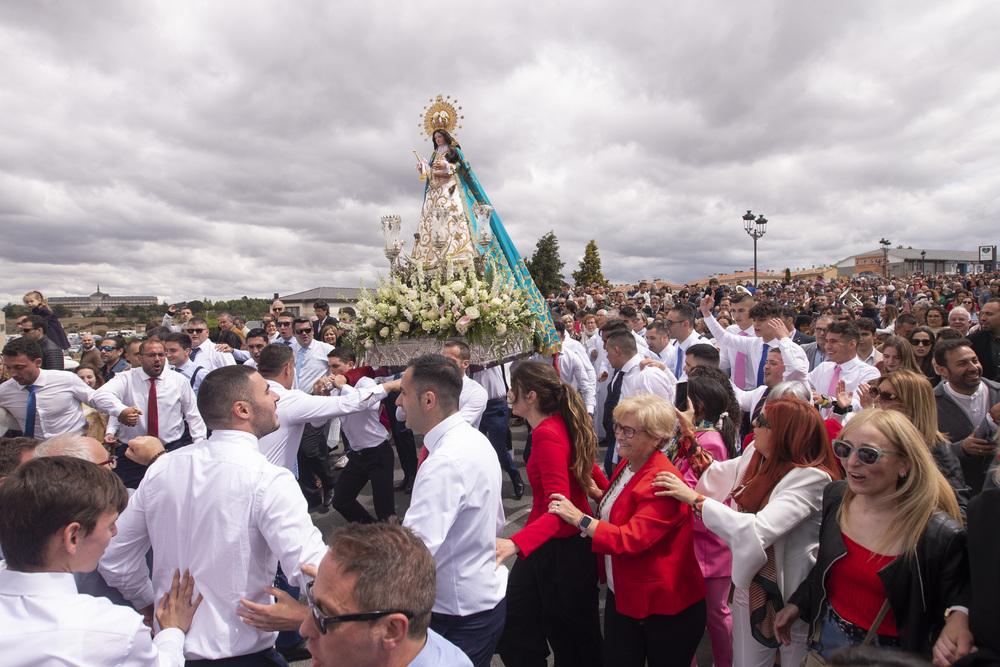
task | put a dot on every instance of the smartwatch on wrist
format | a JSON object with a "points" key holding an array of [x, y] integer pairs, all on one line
{"points": [[585, 524]]}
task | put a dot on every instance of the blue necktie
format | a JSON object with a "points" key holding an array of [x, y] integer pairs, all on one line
{"points": [[286, 342], [300, 361], [30, 413], [193, 353], [760, 368], [680, 362]]}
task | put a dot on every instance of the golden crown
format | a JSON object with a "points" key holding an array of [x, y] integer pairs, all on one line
{"points": [[442, 114]]}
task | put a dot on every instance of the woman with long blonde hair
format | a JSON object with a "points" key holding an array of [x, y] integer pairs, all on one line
{"points": [[891, 546], [909, 392]]}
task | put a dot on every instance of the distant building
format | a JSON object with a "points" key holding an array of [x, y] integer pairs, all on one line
{"points": [[904, 262], [301, 303], [79, 305]]}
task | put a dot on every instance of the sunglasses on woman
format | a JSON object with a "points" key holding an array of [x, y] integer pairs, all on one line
{"points": [[922, 342], [868, 455], [875, 392]]}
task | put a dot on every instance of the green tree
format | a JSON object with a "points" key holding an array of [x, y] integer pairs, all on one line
{"points": [[590, 267], [788, 275], [196, 306], [61, 311], [545, 266]]}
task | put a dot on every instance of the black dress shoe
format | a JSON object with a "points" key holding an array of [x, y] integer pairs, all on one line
{"points": [[295, 653], [518, 487], [327, 497], [405, 484]]}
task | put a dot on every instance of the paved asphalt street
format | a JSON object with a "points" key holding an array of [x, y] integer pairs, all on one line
{"points": [[516, 512]]}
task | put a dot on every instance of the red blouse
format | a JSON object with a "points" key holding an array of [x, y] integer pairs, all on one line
{"points": [[856, 592]]}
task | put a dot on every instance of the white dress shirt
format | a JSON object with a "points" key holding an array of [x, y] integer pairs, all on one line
{"points": [[296, 409], [175, 404], [727, 356], [852, 372], [209, 358], [58, 395], [586, 376], [190, 369], [362, 426], [673, 355], [315, 365], [456, 509], [648, 380], [596, 343], [471, 402], [753, 347], [492, 381], [44, 621], [221, 510]]}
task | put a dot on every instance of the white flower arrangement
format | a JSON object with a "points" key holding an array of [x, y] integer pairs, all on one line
{"points": [[453, 302]]}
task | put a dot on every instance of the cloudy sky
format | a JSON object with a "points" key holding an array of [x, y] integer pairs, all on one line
{"points": [[216, 149]]}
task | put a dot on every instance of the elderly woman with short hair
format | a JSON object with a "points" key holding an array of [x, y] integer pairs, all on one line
{"points": [[655, 607]]}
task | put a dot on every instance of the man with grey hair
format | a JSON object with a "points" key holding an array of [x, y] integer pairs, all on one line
{"points": [[78, 446], [960, 320]]}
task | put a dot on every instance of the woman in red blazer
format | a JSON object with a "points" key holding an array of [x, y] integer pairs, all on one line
{"points": [[552, 592], [655, 608]]}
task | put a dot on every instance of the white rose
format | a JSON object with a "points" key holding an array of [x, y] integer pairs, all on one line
{"points": [[457, 285], [384, 332], [427, 326], [472, 312], [403, 326], [392, 311], [501, 328], [370, 322], [495, 302]]}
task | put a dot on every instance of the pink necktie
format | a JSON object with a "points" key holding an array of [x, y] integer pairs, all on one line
{"points": [[832, 391], [740, 374]]}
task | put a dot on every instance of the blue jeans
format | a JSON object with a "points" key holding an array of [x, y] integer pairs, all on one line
{"points": [[476, 634], [832, 638]]}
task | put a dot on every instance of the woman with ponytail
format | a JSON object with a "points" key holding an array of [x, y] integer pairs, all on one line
{"points": [[552, 592]]}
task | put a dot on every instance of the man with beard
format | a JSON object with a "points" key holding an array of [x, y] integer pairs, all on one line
{"points": [[147, 401], [966, 407], [220, 510]]}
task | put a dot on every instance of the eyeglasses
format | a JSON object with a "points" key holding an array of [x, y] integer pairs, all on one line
{"points": [[196, 331], [868, 455], [922, 342], [28, 330], [303, 331], [671, 323], [284, 324], [154, 355], [323, 621], [761, 421], [112, 463], [108, 348], [884, 395], [627, 431]]}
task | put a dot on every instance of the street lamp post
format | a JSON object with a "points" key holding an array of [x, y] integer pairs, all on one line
{"points": [[756, 229], [885, 256], [923, 262]]}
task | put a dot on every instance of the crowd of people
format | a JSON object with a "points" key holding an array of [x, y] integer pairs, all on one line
{"points": [[801, 469]]}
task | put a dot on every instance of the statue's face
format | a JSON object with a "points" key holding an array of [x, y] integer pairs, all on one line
{"points": [[439, 139]]}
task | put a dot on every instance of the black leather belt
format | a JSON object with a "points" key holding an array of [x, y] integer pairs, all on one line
{"points": [[858, 633]]}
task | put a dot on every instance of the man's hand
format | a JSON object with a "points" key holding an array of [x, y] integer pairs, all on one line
{"points": [[130, 416], [177, 608], [652, 362], [843, 397], [779, 328], [955, 641], [285, 614], [143, 448], [319, 386], [111, 439], [222, 347], [707, 304], [604, 376], [339, 382], [393, 385], [995, 414], [172, 309], [976, 447]]}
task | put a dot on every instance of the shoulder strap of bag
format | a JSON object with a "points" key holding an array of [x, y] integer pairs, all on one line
{"points": [[878, 621]]}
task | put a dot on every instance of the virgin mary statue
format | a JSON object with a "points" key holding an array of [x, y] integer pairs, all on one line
{"points": [[451, 192]]}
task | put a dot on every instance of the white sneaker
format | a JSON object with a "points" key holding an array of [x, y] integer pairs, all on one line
{"points": [[341, 463]]}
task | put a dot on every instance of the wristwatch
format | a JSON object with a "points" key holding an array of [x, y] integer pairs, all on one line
{"points": [[585, 524]]}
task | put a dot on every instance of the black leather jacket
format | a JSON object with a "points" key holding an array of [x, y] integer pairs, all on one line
{"points": [[919, 589]]}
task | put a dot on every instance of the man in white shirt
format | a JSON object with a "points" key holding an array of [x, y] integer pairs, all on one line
{"points": [[257, 340], [185, 317], [769, 332], [843, 366], [680, 325], [178, 349], [740, 369], [472, 402], [574, 367], [311, 364], [44, 403], [147, 401], [371, 457], [219, 509], [636, 323], [59, 515], [286, 335], [629, 379], [456, 509], [203, 350]]}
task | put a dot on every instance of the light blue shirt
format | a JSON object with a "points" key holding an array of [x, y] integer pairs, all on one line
{"points": [[439, 652]]}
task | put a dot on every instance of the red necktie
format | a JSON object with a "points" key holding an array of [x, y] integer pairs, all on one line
{"points": [[555, 364], [152, 414]]}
